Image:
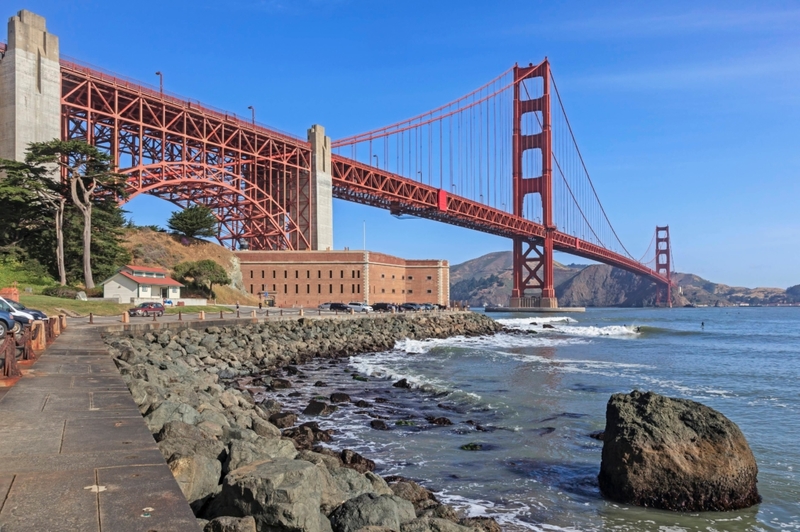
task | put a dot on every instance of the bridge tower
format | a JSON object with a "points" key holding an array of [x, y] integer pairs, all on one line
{"points": [[663, 266], [30, 86], [533, 258]]}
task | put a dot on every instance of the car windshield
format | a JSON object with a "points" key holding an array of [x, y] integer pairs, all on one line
{"points": [[15, 305]]}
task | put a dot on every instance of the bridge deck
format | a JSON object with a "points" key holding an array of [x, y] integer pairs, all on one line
{"points": [[77, 454]]}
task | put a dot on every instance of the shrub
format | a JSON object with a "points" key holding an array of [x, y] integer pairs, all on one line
{"points": [[65, 292]]}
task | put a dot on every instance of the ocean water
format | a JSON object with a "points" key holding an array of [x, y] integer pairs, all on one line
{"points": [[531, 401]]}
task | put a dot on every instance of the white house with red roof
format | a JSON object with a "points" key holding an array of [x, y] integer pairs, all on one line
{"points": [[135, 284]]}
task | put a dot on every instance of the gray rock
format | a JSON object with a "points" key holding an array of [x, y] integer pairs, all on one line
{"points": [[355, 461], [169, 411], [243, 453], [280, 494], [231, 524], [339, 397], [283, 420], [197, 475], [370, 509], [318, 408], [675, 454], [265, 428], [433, 524], [420, 497]]}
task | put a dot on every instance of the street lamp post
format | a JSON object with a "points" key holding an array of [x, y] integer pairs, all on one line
{"points": [[377, 161], [160, 82], [252, 114]]}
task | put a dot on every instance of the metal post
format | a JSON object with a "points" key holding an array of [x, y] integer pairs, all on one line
{"points": [[180, 315], [91, 318]]}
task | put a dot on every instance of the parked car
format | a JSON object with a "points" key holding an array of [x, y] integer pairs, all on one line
{"points": [[359, 307], [409, 307], [428, 306], [339, 306], [19, 312], [147, 309], [384, 307], [325, 306], [8, 323]]}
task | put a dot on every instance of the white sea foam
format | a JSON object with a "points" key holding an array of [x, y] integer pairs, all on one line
{"points": [[517, 322], [497, 341]]}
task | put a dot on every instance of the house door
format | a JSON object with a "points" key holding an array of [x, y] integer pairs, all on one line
{"points": [[165, 293]]}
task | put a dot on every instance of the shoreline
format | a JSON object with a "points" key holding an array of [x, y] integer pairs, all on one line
{"points": [[198, 391]]}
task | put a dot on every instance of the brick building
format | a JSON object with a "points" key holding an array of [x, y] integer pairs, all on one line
{"points": [[309, 278]]}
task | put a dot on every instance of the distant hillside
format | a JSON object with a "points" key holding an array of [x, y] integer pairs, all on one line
{"points": [[155, 248], [487, 280]]}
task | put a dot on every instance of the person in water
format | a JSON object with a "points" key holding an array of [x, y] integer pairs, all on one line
{"points": [[702, 325]]}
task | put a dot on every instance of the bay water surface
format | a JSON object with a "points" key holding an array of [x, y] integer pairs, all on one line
{"points": [[530, 402]]}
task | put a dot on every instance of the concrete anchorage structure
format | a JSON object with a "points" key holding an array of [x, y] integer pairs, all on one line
{"points": [[30, 86], [321, 190]]}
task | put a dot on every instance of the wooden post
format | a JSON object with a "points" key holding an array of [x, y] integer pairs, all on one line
{"points": [[126, 318]]}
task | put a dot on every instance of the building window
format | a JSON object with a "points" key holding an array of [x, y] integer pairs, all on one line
{"points": [[285, 274], [308, 274], [274, 273], [430, 291], [263, 287], [286, 289], [429, 277], [251, 289], [358, 288], [410, 278], [262, 274], [319, 288], [393, 276], [330, 288], [353, 273], [410, 291], [297, 274], [383, 276], [319, 274], [308, 289], [341, 289], [341, 274], [352, 288], [330, 274], [393, 290], [359, 274], [297, 289], [403, 278], [274, 288], [251, 274], [383, 290]]}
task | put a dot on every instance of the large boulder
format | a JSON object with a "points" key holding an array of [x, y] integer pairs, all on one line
{"points": [[675, 454], [280, 494], [243, 453], [371, 509]]}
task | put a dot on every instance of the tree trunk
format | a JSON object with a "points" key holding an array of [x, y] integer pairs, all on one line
{"points": [[87, 246], [62, 271], [85, 206]]}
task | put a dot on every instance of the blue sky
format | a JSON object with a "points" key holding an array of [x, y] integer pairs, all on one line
{"points": [[687, 113]]}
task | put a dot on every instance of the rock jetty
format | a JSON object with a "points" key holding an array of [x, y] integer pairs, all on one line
{"points": [[245, 464], [675, 454]]}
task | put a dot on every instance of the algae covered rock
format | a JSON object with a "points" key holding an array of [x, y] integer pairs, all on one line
{"points": [[675, 454]]}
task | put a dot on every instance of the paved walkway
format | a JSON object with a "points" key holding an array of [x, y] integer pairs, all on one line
{"points": [[76, 455]]}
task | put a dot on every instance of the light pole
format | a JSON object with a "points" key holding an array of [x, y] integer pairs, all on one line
{"points": [[252, 114], [160, 82], [377, 162], [365, 235]]}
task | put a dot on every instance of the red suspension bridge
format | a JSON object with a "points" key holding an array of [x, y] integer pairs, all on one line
{"points": [[502, 160]]}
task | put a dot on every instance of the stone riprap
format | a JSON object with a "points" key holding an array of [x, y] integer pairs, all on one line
{"points": [[675, 454], [195, 389]]}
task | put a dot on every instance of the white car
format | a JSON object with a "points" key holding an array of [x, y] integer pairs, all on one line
{"points": [[360, 307]]}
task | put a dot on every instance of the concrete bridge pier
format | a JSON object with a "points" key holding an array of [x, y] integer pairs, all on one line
{"points": [[30, 86], [321, 237]]}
